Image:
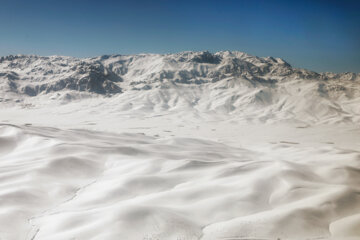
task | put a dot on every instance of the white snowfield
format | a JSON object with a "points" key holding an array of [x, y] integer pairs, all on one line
{"points": [[187, 146]]}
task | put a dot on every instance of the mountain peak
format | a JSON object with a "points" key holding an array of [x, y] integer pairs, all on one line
{"points": [[110, 74]]}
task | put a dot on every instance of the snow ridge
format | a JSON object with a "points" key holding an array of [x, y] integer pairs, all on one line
{"points": [[33, 75]]}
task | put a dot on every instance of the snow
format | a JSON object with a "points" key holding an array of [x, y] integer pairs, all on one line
{"points": [[192, 145]]}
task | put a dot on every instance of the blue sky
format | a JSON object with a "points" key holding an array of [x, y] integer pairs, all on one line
{"points": [[317, 35]]}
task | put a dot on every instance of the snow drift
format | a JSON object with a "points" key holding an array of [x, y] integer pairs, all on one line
{"points": [[80, 184]]}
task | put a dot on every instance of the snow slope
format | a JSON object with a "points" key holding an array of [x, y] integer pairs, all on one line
{"points": [[77, 184], [183, 146]]}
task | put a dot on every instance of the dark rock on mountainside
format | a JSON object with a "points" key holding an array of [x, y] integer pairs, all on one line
{"points": [[112, 74], [206, 57]]}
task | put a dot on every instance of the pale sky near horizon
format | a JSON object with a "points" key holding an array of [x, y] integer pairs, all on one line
{"points": [[317, 35]]}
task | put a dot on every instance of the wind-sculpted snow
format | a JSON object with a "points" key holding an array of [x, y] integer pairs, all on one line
{"points": [[224, 82], [79, 184]]}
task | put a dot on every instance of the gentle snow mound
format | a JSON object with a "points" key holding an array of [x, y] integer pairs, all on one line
{"points": [[78, 184]]}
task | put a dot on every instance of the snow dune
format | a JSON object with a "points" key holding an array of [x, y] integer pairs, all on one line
{"points": [[80, 184]]}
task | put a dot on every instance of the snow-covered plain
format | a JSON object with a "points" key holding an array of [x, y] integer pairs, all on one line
{"points": [[181, 146]]}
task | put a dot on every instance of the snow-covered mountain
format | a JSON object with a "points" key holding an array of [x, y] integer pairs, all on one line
{"points": [[225, 82], [170, 147]]}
